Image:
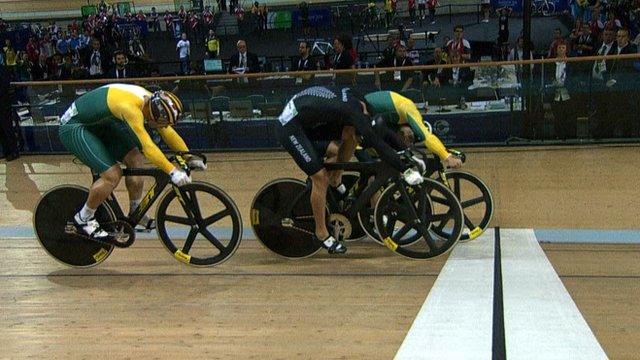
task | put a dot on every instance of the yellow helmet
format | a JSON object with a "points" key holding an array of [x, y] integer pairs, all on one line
{"points": [[165, 107]]}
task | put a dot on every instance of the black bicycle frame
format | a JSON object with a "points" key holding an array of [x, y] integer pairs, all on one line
{"points": [[381, 172], [161, 180]]}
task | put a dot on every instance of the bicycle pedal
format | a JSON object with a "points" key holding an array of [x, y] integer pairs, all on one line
{"points": [[70, 229]]}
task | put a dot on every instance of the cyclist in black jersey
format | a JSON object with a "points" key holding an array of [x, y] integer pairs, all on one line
{"points": [[319, 114]]}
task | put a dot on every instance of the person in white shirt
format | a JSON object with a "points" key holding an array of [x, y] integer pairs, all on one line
{"points": [[184, 51]]}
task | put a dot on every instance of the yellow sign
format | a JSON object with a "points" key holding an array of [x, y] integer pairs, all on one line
{"points": [[100, 255], [475, 233], [390, 244], [185, 258], [255, 217]]}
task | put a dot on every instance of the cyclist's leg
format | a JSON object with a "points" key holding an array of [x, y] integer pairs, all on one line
{"points": [[298, 145], [345, 153], [89, 148], [124, 146]]}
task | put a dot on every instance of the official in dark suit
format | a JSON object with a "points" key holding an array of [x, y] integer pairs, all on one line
{"points": [[600, 74], [623, 85], [243, 62], [8, 139]]}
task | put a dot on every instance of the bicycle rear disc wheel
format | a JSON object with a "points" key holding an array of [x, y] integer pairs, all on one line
{"points": [[213, 233], [433, 205], [476, 201], [282, 226], [54, 209]]}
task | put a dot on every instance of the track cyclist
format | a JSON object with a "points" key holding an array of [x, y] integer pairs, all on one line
{"points": [[402, 115], [318, 114], [106, 126]]}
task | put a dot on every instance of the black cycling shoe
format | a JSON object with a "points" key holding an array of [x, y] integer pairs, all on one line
{"points": [[146, 224], [335, 248]]}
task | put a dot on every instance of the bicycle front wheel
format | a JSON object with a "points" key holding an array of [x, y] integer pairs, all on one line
{"points": [[200, 225], [476, 201], [423, 209]]}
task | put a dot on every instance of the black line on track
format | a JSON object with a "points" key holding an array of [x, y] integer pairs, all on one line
{"points": [[499, 351], [224, 274]]}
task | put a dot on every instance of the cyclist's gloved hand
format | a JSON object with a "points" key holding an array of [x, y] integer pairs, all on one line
{"points": [[179, 177], [419, 163], [452, 162], [197, 164], [412, 177]]}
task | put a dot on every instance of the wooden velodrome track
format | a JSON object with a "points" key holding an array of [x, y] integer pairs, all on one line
{"points": [[142, 304]]}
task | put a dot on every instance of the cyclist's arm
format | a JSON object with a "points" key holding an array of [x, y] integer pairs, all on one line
{"points": [[386, 152], [172, 139], [422, 133], [134, 118]]}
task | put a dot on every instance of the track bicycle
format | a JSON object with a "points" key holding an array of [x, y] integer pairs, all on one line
{"points": [[206, 230], [282, 218], [474, 196]]}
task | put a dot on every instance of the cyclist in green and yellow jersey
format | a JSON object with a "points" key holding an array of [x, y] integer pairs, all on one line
{"points": [[106, 126]]}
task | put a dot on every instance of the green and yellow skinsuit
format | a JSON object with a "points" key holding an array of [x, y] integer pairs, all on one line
{"points": [[398, 110], [103, 125]]}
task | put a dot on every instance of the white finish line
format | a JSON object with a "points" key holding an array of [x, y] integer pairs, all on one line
{"points": [[541, 321], [455, 321]]}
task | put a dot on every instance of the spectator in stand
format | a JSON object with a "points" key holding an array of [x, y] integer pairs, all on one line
{"points": [[46, 47], [612, 23], [503, 24], [154, 20], [194, 26], [207, 18], [623, 81], [74, 26], [183, 17], [486, 10], [233, 7], [459, 44], [557, 39], [136, 50], [304, 18], [10, 56], [96, 60], [304, 62], [517, 53], [63, 44], [85, 44], [121, 69], [596, 25], [342, 58], [412, 54], [431, 75], [140, 16], [456, 76], [388, 12], [33, 49], [389, 52], [422, 7], [411, 6], [263, 13], [585, 42], [397, 80], [23, 73], [74, 42], [184, 52], [243, 62], [8, 139], [212, 45], [600, 76], [39, 69], [168, 22], [564, 113]]}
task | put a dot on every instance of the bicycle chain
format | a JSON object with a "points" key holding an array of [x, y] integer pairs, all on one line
{"points": [[127, 228]]}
